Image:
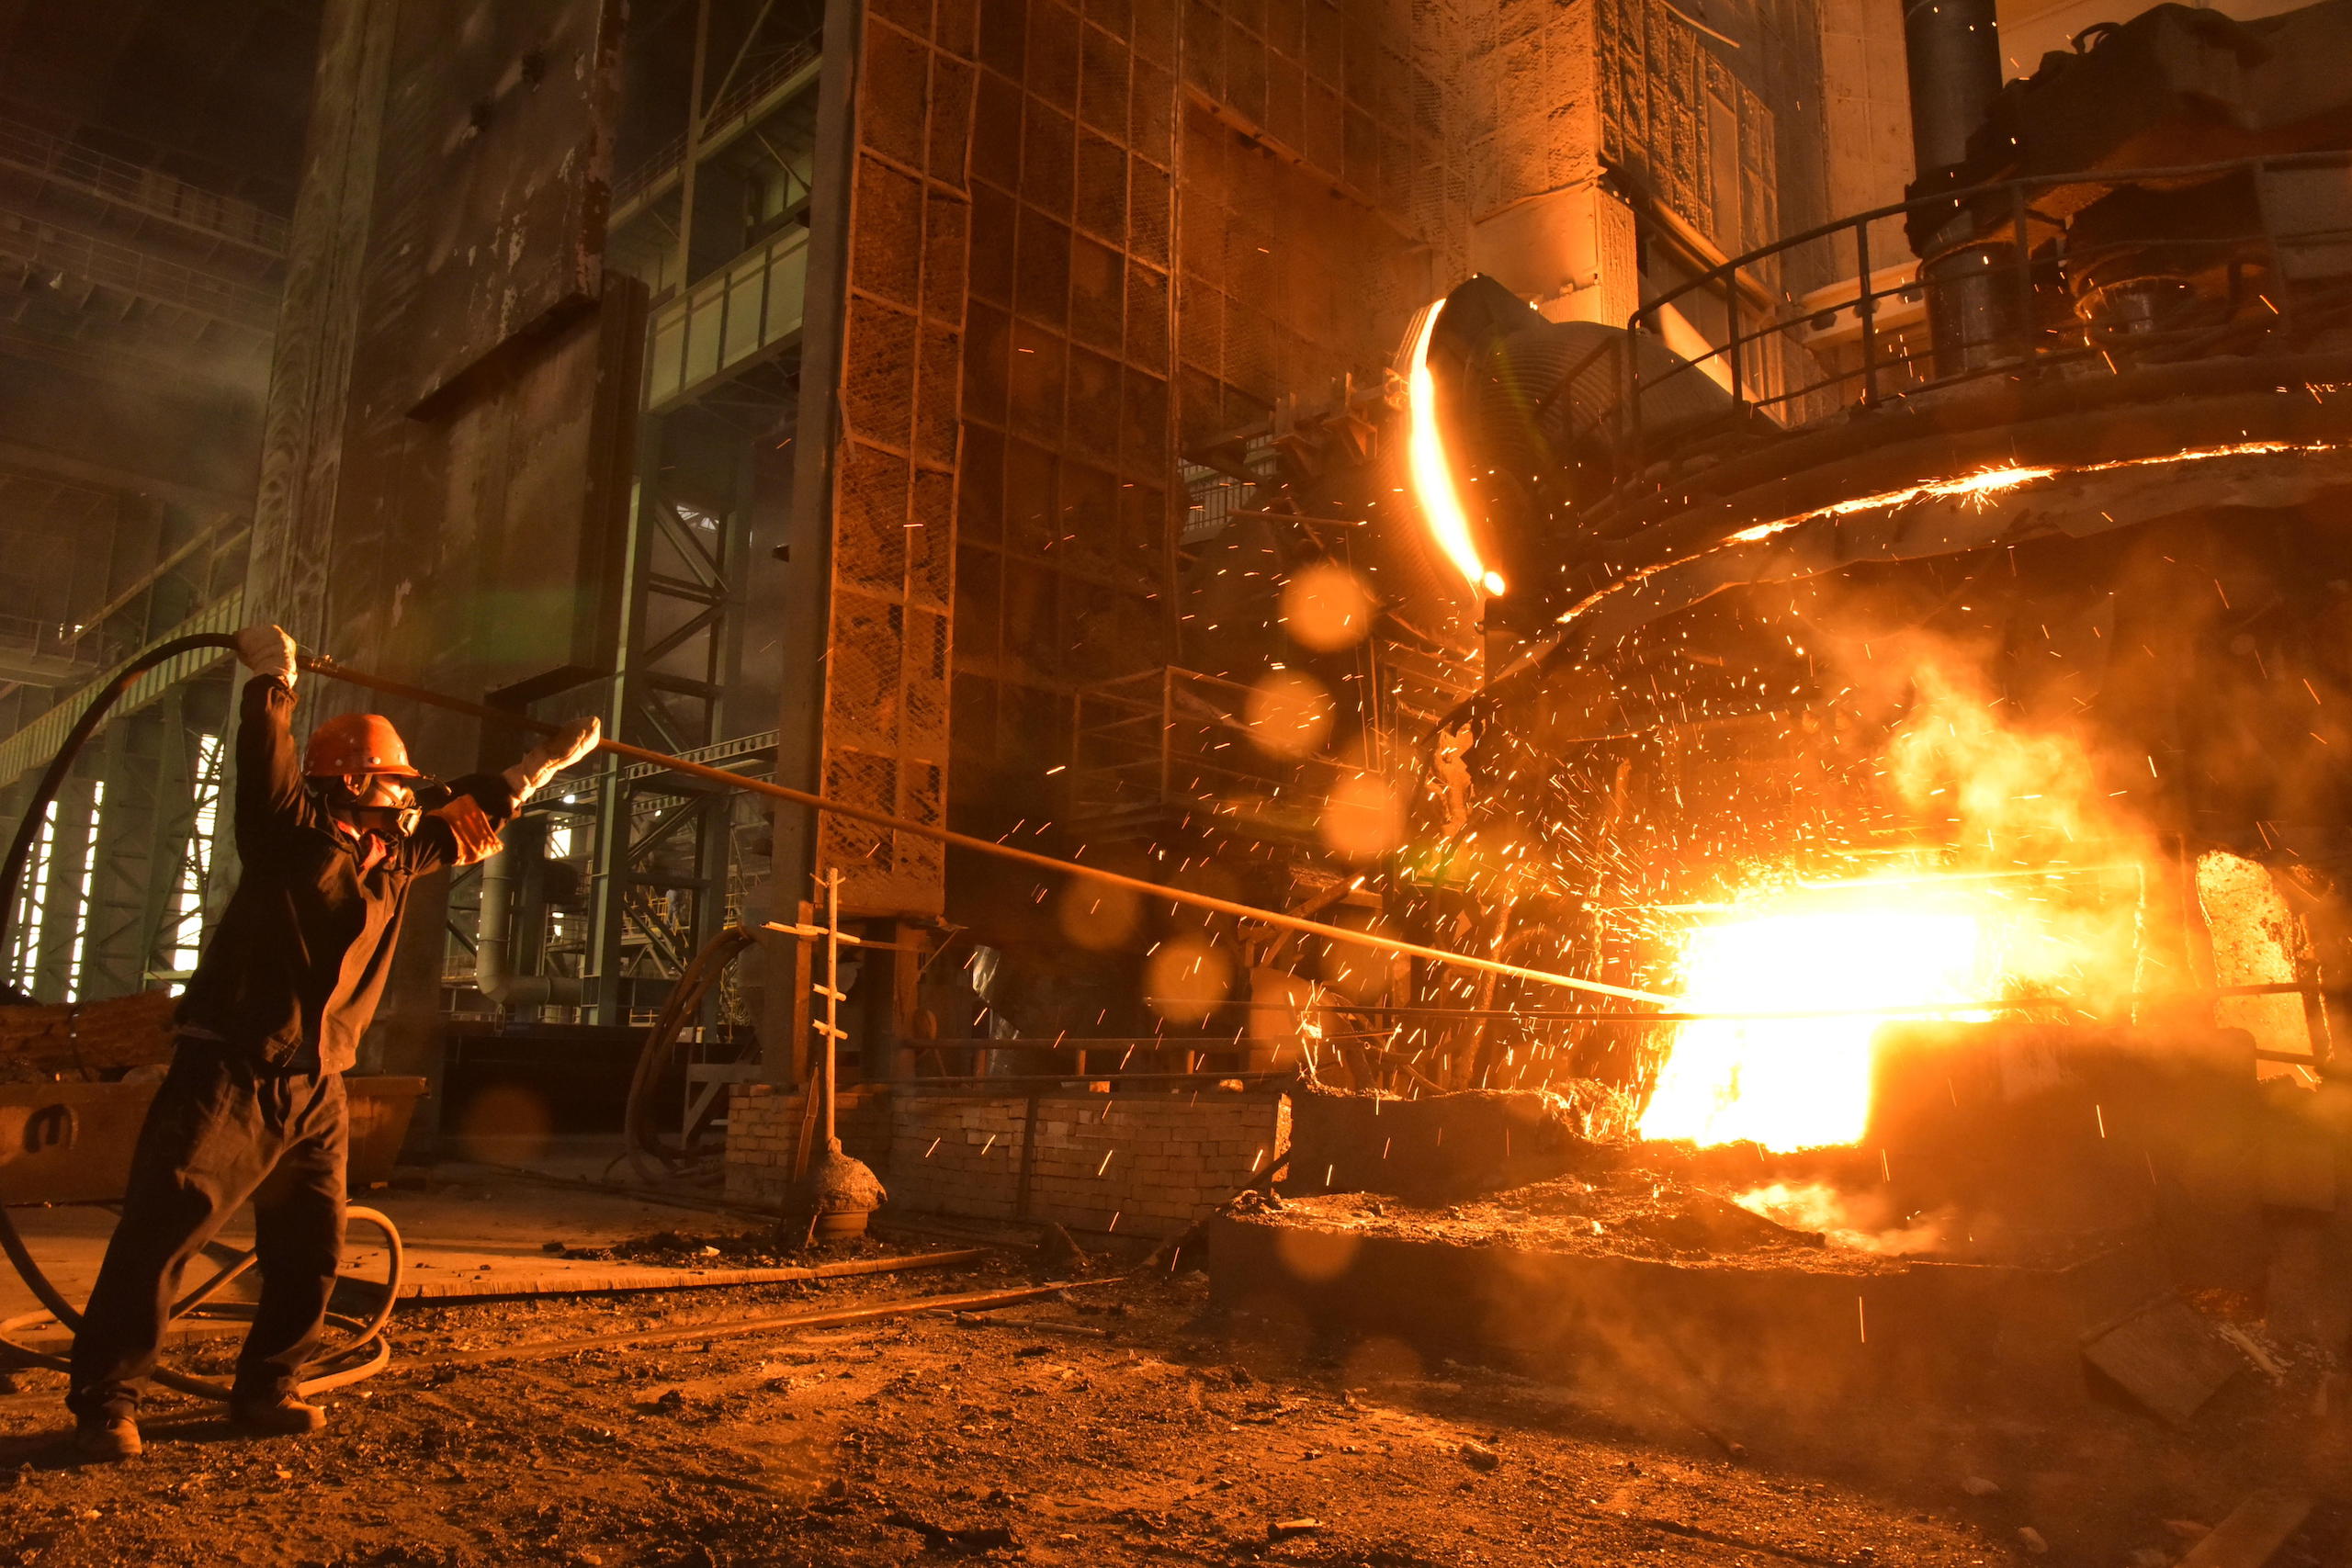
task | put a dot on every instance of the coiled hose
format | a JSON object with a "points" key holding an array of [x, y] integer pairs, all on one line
{"points": [[362, 1352]]}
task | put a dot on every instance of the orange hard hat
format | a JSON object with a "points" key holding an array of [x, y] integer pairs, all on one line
{"points": [[356, 743]]}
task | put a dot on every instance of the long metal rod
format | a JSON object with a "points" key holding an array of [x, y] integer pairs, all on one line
{"points": [[828, 1077], [540, 1349], [331, 670]]}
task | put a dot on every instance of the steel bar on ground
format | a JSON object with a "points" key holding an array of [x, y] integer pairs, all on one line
{"points": [[541, 1349]]}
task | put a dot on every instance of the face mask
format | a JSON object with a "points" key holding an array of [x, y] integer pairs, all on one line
{"points": [[378, 792], [376, 803]]}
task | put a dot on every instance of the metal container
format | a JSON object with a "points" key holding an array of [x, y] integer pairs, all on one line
{"points": [[71, 1143]]}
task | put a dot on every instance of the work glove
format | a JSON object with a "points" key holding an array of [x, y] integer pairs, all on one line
{"points": [[551, 756], [267, 650]]}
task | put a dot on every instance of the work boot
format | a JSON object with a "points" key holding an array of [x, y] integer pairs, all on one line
{"points": [[282, 1414], [105, 1437]]}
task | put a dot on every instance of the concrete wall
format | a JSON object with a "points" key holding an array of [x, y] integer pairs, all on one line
{"points": [[1868, 111], [1146, 1164]]}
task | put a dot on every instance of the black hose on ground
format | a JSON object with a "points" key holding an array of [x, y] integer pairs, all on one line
{"points": [[360, 1355]]}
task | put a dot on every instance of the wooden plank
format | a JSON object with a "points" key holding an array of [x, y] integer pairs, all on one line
{"points": [[2165, 1357], [2253, 1533]]}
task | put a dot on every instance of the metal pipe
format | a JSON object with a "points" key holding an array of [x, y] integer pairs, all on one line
{"points": [[495, 976], [1214, 905], [1952, 52], [1952, 55]]}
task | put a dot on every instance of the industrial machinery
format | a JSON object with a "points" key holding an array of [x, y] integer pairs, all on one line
{"points": [[2081, 469]]}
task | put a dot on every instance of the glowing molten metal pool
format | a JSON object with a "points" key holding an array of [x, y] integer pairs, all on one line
{"points": [[1799, 1083]]}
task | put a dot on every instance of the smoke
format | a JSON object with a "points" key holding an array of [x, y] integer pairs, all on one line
{"points": [[1855, 1221], [2000, 787], [2014, 823]]}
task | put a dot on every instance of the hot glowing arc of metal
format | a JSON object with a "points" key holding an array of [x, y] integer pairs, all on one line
{"points": [[1430, 465]]}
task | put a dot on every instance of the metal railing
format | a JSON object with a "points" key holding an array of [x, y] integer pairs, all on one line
{"points": [[738, 313], [45, 652], [2279, 277], [135, 187], [746, 101], [1155, 1062], [38, 248]]}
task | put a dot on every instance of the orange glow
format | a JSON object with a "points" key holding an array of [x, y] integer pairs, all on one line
{"points": [[1802, 1083], [1980, 486], [2010, 913], [1431, 470]]}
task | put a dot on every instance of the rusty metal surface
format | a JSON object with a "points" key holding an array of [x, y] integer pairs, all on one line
{"points": [[1788, 512], [495, 175], [1779, 1342], [120, 1032], [540, 477], [893, 508], [72, 1143]]}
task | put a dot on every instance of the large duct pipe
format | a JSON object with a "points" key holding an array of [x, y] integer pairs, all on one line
{"points": [[1952, 55], [493, 936]]}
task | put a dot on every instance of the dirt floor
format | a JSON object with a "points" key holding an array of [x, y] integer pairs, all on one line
{"points": [[1137, 1429]]}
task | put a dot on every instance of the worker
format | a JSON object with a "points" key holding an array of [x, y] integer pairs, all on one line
{"points": [[253, 1105]]}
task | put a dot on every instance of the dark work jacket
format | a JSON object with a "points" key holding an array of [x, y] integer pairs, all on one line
{"points": [[295, 971]]}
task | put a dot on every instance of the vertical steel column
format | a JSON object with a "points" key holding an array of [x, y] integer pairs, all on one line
{"points": [[1952, 54], [133, 852], [686, 262], [63, 914], [805, 616], [609, 888]]}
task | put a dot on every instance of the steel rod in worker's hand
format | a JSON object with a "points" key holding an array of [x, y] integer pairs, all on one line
{"points": [[330, 668]]}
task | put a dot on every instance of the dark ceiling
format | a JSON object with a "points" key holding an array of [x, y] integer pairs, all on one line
{"points": [[213, 91]]}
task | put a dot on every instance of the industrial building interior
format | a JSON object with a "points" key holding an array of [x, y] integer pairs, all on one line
{"points": [[1383, 782]]}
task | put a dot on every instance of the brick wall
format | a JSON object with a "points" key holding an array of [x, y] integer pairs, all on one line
{"points": [[763, 1128], [957, 1155], [1146, 1164]]}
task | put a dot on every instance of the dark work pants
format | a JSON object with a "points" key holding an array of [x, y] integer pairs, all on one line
{"points": [[223, 1127]]}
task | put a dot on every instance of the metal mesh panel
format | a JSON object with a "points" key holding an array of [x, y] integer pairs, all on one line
{"points": [[863, 855], [1289, 279], [894, 512], [1114, 321], [864, 657], [878, 372], [870, 523], [889, 233]]}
